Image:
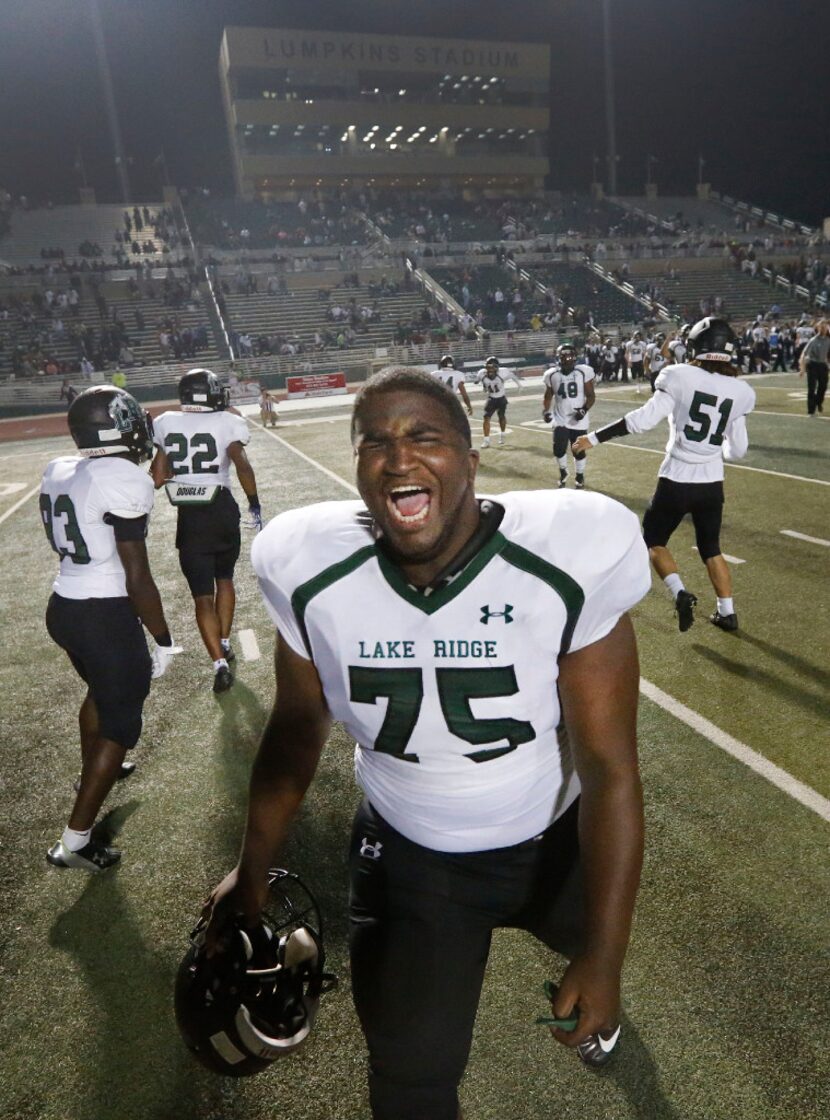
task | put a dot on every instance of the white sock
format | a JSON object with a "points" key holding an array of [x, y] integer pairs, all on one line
{"points": [[725, 606], [226, 644], [563, 463], [674, 584], [73, 841], [220, 664], [580, 470]]}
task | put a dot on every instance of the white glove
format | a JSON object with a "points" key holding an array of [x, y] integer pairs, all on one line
{"points": [[162, 656]]}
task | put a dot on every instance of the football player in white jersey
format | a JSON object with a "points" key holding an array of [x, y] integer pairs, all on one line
{"points": [[491, 621], [94, 507], [655, 359], [196, 447], [706, 406], [569, 387], [493, 384], [453, 378], [635, 356]]}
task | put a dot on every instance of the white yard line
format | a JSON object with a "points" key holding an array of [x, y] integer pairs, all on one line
{"points": [[800, 792], [248, 645], [17, 505], [307, 458], [729, 559], [804, 537]]}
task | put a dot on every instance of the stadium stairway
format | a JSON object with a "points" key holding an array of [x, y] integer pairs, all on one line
{"points": [[66, 227]]}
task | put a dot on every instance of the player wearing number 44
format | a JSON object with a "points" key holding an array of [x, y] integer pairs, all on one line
{"points": [[95, 507], [453, 637], [706, 406], [195, 450]]}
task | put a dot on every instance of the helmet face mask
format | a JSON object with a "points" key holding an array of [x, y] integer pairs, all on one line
{"points": [[200, 390], [255, 1000], [447, 362], [105, 420], [712, 340], [567, 357], [492, 362]]}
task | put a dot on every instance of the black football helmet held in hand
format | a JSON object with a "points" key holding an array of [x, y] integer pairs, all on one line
{"points": [[105, 420], [711, 340], [200, 390], [255, 1000]]}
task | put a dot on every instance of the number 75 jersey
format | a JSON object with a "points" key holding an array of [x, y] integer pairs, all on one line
{"points": [[706, 413], [452, 696]]}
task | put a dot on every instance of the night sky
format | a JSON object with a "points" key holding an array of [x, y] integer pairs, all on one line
{"points": [[745, 83]]}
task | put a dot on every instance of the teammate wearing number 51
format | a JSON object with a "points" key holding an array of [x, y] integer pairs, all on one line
{"points": [[95, 507], [706, 406], [196, 447]]}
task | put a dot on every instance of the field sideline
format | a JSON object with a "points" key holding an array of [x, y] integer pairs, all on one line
{"points": [[725, 988]]}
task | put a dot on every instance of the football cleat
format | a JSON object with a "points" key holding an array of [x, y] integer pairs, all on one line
{"points": [[563, 478], [92, 857], [724, 621], [501, 441], [124, 771], [228, 654], [485, 442], [684, 606], [598, 1049], [223, 679]]}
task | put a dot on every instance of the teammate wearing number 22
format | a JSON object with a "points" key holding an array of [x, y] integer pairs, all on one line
{"points": [[195, 450], [455, 637], [95, 507], [706, 406]]}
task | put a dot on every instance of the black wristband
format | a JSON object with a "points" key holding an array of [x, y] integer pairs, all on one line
{"points": [[612, 431], [253, 500], [163, 639]]}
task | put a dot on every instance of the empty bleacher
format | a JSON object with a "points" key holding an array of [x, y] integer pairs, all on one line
{"points": [[743, 296], [66, 228]]}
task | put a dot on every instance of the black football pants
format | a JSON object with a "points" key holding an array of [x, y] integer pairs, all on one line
{"points": [[816, 386], [421, 924]]}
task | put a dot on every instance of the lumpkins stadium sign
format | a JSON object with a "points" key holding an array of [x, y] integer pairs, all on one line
{"points": [[252, 47]]}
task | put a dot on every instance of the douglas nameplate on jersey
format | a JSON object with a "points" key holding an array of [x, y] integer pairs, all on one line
{"points": [[191, 494]]}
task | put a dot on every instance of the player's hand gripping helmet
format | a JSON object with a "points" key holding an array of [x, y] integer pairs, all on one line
{"points": [[447, 361], [711, 340], [105, 420], [255, 1000], [566, 354], [200, 390]]}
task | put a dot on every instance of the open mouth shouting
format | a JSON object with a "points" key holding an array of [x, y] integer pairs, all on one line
{"points": [[409, 504]]}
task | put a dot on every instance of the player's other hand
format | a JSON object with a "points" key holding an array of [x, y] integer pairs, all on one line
{"points": [[547, 416], [161, 658], [230, 904], [255, 521], [592, 988], [582, 444]]}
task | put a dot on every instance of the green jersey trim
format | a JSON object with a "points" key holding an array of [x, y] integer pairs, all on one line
{"points": [[565, 587], [441, 595], [306, 591]]}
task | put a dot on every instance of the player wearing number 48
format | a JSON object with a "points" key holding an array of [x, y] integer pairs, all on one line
{"points": [[195, 450], [706, 406], [453, 636], [95, 507]]}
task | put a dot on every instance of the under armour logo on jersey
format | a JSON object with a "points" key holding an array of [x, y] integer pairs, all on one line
{"points": [[369, 850], [506, 614]]}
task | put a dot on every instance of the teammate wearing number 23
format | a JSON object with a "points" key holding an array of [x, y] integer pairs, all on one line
{"points": [[706, 406], [95, 507], [195, 450], [455, 638]]}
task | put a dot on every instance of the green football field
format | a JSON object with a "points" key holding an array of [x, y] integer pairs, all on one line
{"points": [[726, 982]]}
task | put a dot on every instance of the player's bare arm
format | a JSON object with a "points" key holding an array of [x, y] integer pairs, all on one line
{"points": [[601, 727], [286, 762], [160, 471], [141, 587], [244, 470]]}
